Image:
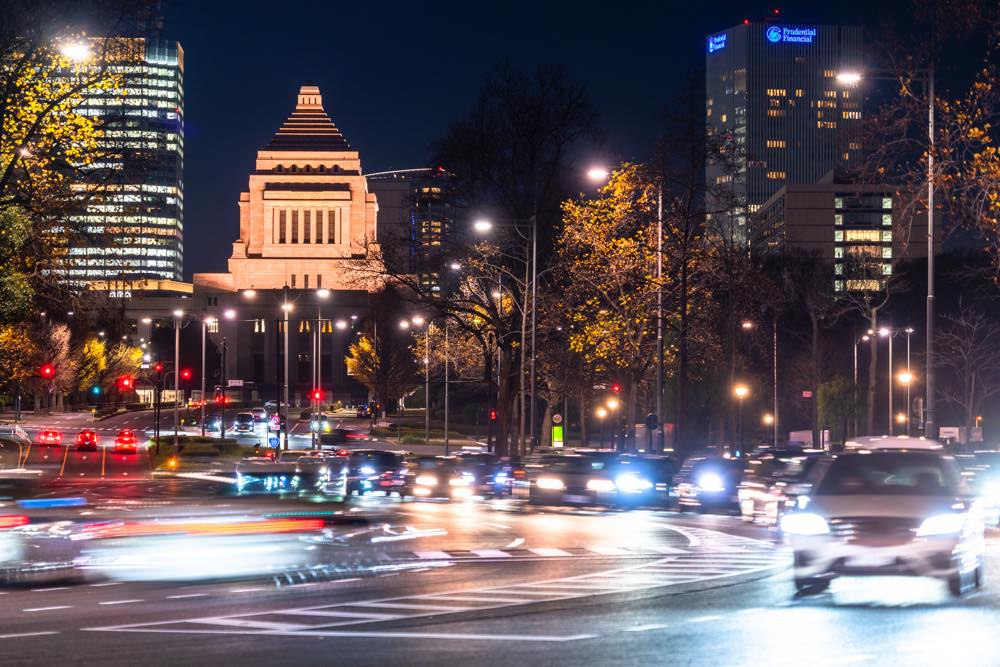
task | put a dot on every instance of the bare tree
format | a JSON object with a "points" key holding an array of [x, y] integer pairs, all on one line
{"points": [[970, 360]]}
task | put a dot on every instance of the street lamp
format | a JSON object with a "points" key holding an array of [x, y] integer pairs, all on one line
{"points": [[748, 325], [178, 315], [482, 225], [75, 51], [767, 419], [601, 413], [419, 321], [854, 78], [205, 323], [598, 174], [864, 339], [741, 391]]}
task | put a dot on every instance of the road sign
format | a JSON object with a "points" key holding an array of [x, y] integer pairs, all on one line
{"points": [[557, 437], [272, 442], [236, 383], [557, 418], [807, 394]]}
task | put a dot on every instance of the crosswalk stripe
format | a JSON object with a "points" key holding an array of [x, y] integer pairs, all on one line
{"points": [[243, 623], [488, 599], [341, 614], [432, 555], [491, 553], [406, 605], [548, 551]]}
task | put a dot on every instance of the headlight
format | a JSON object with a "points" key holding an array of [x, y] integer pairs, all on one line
{"points": [[459, 481], [550, 483], [426, 480], [804, 523], [633, 484], [991, 491], [711, 482], [942, 524], [367, 470], [600, 485], [314, 425]]}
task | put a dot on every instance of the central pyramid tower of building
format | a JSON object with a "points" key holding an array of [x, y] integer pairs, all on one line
{"points": [[308, 213]]}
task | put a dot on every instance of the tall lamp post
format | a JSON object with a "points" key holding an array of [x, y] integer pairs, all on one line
{"points": [[748, 325], [864, 339], [418, 321], [905, 378], [205, 322], [741, 391], [853, 78], [601, 413], [178, 315]]}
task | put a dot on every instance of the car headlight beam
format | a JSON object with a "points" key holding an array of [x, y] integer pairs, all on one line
{"points": [[426, 480], [804, 523], [550, 483], [942, 524]]}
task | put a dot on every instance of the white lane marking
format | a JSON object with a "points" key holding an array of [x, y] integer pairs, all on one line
{"points": [[491, 553], [705, 619], [496, 525], [369, 635], [644, 628], [432, 555], [850, 659], [245, 590], [692, 539], [664, 550], [487, 599], [187, 595], [46, 590], [404, 605], [341, 614], [515, 543], [609, 551], [548, 551], [108, 602], [107, 583], [259, 625], [29, 634], [58, 606]]}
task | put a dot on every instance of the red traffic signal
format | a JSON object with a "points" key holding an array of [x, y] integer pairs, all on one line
{"points": [[158, 367], [616, 388], [493, 415], [185, 373], [125, 382], [316, 394], [47, 371]]}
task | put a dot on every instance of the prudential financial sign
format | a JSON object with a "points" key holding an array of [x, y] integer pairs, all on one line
{"points": [[796, 35]]}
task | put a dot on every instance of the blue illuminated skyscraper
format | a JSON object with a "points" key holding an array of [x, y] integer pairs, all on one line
{"points": [[772, 95]]}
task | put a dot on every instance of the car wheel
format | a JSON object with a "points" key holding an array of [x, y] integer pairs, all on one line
{"points": [[811, 585], [956, 584]]}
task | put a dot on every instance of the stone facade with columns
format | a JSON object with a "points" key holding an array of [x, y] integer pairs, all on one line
{"points": [[308, 214]]}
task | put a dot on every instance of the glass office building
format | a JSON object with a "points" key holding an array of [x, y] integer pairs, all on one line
{"points": [[133, 193], [772, 98]]}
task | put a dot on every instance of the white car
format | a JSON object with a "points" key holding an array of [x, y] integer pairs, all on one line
{"points": [[886, 507]]}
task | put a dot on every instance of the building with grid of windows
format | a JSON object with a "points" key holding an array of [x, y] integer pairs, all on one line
{"points": [[773, 99], [864, 231], [416, 214], [134, 208]]}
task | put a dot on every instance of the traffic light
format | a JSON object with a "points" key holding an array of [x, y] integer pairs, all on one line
{"points": [[47, 371], [316, 394], [185, 373], [616, 388], [95, 390], [158, 367], [125, 383], [493, 415]]}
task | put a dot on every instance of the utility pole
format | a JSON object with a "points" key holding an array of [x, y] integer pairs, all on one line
{"points": [[285, 306], [446, 388], [177, 370], [930, 423]]}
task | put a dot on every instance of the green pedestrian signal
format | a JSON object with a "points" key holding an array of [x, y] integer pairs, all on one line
{"points": [[95, 390]]}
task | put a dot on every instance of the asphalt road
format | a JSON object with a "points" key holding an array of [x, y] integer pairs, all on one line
{"points": [[483, 583]]}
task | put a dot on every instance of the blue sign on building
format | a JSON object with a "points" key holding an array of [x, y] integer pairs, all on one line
{"points": [[716, 42], [792, 34]]}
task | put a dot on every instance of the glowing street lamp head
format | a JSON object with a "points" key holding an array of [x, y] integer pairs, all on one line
{"points": [[849, 78], [455, 266], [746, 325], [602, 413], [75, 51], [178, 313], [741, 391], [900, 417], [249, 293], [147, 320], [866, 338], [418, 320], [403, 324], [482, 225], [229, 314], [905, 377], [323, 293], [613, 403], [341, 324], [598, 174], [884, 332], [768, 419], [287, 307]]}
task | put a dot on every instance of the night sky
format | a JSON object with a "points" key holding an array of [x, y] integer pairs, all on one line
{"points": [[394, 74]]}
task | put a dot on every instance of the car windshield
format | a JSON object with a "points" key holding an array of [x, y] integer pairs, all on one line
{"points": [[383, 459], [890, 473], [576, 464]]}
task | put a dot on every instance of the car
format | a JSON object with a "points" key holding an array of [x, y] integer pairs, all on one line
{"points": [[372, 470], [771, 484], [244, 422], [981, 470], [126, 442], [49, 438], [438, 477], [213, 423], [489, 476], [645, 480], [886, 511], [87, 440], [271, 407], [574, 479], [708, 484], [259, 415], [322, 470]]}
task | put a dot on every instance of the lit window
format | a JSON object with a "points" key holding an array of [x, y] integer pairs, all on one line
{"points": [[775, 143], [886, 220], [838, 218], [838, 236], [259, 326], [776, 175], [886, 236], [887, 269], [862, 235], [887, 252], [838, 253], [838, 269], [870, 285], [799, 92], [838, 285], [838, 202]]}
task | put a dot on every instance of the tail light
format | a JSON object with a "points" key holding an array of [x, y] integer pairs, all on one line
{"points": [[13, 521]]}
